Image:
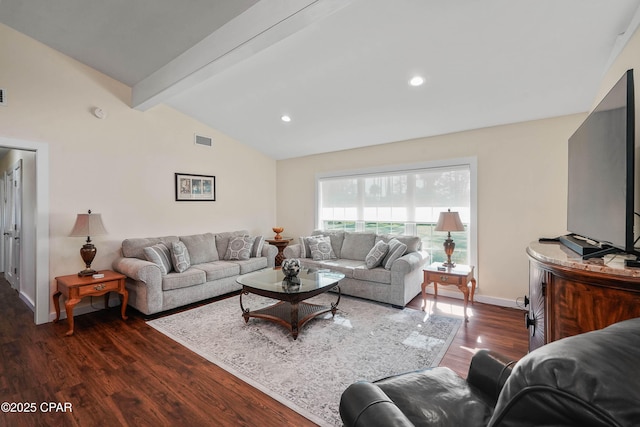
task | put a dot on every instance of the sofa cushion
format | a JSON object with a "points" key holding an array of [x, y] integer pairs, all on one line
{"points": [[305, 250], [376, 255], [161, 256], [396, 250], [378, 274], [321, 249], [201, 248], [222, 240], [239, 248], [251, 264], [218, 269], [134, 248], [190, 277], [414, 243], [357, 245], [344, 266], [180, 257]]}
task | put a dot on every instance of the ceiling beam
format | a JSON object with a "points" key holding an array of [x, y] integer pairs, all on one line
{"points": [[263, 25]]}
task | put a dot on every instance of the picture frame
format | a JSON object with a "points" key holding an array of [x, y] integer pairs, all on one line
{"points": [[195, 188]]}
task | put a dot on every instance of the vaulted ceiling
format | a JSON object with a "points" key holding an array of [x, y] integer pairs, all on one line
{"points": [[340, 68]]}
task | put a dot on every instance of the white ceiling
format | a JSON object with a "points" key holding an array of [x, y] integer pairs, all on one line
{"points": [[340, 68]]}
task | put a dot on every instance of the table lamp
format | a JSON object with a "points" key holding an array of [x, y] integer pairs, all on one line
{"points": [[88, 225], [449, 221]]}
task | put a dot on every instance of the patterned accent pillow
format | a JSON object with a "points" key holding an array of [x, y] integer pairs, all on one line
{"points": [[396, 250], [320, 248], [258, 243], [239, 248], [376, 255], [180, 257], [161, 256]]}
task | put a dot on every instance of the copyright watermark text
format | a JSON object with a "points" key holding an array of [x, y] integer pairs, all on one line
{"points": [[45, 407]]}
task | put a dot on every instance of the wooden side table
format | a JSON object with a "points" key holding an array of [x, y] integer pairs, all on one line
{"points": [[280, 244], [459, 276], [74, 288]]}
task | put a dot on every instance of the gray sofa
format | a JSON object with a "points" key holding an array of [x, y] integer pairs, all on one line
{"points": [[198, 267], [393, 277]]}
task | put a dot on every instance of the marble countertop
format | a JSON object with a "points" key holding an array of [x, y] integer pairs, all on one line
{"points": [[555, 253]]}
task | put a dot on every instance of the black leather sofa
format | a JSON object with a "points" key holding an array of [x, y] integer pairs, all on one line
{"points": [[591, 379]]}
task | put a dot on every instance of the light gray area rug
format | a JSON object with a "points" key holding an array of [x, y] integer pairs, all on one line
{"points": [[365, 341]]}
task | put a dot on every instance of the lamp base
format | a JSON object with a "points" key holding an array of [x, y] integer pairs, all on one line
{"points": [[449, 264], [87, 272]]}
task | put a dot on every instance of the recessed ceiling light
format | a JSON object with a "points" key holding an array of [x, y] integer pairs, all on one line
{"points": [[416, 81], [285, 118]]}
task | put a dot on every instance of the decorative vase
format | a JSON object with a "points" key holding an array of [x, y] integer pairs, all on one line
{"points": [[291, 267], [278, 230]]}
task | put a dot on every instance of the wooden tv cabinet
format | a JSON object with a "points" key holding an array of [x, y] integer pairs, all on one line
{"points": [[569, 296]]}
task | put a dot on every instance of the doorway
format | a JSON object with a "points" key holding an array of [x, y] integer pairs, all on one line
{"points": [[33, 272]]}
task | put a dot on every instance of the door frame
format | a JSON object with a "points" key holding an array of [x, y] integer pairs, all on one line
{"points": [[42, 285]]}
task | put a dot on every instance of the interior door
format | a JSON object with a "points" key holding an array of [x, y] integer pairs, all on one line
{"points": [[13, 225]]}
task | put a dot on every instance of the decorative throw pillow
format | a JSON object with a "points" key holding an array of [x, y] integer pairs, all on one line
{"points": [[180, 257], [321, 249], [239, 248], [376, 255], [396, 250], [258, 243], [160, 255], [305, 249]]}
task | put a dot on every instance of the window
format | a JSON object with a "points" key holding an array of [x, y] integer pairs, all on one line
{"points": [[403, 201]]}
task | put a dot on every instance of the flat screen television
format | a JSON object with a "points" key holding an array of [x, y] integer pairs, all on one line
{"points": [[602, 172]]}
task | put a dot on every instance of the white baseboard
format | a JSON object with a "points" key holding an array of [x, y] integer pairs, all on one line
{"points": [[83, 307], [501, 302]]}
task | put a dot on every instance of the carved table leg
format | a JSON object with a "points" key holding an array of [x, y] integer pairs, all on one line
{"points": [[56, 304], [125, 300], [68, 306]]}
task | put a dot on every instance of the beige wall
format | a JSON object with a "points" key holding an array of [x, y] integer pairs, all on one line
{"points": [[122, 166], [521, 190]]}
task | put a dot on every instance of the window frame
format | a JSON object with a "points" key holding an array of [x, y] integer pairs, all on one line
{"points": [[470, 162]]}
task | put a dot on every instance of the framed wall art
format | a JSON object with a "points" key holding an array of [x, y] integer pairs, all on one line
{"points": [[195, 188]]}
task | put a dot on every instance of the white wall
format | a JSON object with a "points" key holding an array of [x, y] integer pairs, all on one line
{"points": [[122, 166], [521, 190]]}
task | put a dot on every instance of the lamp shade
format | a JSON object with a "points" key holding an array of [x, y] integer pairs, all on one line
{"points": [[449, 221], [88, 225]]}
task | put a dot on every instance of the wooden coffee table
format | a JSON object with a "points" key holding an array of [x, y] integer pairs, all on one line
{"points": [[291, 311]]}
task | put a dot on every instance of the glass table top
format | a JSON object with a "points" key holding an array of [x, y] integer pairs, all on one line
{"points": [[307, 280]]}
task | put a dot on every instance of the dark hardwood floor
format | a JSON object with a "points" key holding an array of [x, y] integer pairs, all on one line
{"points": [[114, 372]]}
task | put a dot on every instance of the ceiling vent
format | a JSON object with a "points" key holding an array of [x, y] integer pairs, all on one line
{"points": [[3, 96], [203, 140]]}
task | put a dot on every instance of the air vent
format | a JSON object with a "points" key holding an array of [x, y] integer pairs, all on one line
{"points": [[203, 140], [3, 96]]}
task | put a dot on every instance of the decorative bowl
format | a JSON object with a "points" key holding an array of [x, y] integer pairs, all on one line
{"points": [[278, 230]]}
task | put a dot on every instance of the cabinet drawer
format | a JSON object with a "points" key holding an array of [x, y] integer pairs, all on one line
{"points": [[95, 288], [445, 279]]}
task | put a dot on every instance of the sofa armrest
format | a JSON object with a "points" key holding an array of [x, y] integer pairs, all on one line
{"points": [[365, 404], [270, 252], [488, 372], [292, 251], [409, 262], [138, 269]]}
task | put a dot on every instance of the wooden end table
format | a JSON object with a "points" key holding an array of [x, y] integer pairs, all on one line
{"points": [[280, 244], [74, 288], [460, 276]]}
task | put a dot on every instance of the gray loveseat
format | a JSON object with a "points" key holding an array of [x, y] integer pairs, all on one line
{"points": [[201, 266], [393, 277]]}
